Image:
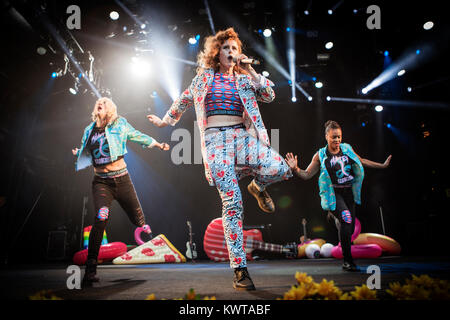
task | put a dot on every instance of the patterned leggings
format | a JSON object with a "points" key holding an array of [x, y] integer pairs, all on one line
{"points": [[234, 148]]}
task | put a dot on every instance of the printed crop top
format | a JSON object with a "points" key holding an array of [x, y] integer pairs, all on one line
{"points": [[222, 97]]}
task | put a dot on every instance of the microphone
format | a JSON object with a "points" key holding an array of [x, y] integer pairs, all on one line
{"points": [[247, 61]]}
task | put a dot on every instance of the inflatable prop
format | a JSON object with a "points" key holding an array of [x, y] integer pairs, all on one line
{"points": [[302, 247], [387, 244], [157, 250], [312, 251], [357, 230], [362, 251], [325, 250], [107, 252], [139, 230], [86, 233]]}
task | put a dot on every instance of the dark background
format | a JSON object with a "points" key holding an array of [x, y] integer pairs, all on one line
{"points": [[40, 121]]}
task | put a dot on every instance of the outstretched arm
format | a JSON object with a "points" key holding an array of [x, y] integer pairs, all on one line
{"points": [[376, 165], [312, 169]]}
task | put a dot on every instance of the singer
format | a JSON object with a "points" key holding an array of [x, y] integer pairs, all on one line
{"points": [[340, 182], [103, 145], [234, 140]]}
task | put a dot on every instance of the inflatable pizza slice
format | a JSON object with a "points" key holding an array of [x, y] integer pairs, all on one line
{"points": [[157, 250]]}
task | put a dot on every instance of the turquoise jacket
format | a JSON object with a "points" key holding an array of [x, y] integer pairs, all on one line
{"points": [[326, 190], [117, 134]]}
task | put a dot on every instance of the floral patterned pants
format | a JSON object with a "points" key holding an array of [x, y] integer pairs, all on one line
{"points": [[233, 153]]}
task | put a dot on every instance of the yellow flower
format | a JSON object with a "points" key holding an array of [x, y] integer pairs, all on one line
{"points": [[396, 290], [364, 293], [191, 295], [209, 298], [414, 292], [423, 280], [151, 297], [44, 295], [302, 277], [325, 288], [345, 296]]}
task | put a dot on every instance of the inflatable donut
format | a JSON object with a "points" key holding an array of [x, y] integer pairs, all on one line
{"points": [[107, 252], [361, 251], [387, 244], [302, 247]]}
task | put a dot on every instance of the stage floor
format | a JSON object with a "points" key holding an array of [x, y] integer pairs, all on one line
{"points": [[272, 278]]}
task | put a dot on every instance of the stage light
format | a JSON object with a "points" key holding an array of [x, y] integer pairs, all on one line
{"points": [[288, 29], [294, 99], [140, 68], [290, 82], [265, 73], [355, 11], [319, 84], [386, 53], [54, 75], [310, 98], [154, 95], [114, 15], [330, 11], [143, 26], [417, 51], [314, 78], [388, 125], [192, 40], [401, 72], [306, 12], [329, 45], [41, 51], [428, 25], [197, 37], [409, 89], [328, 98], [267, 33], [363, 124], [379, 108], [364, 91]]}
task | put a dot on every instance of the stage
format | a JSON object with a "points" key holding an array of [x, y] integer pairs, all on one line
{"points": [[272, 278]]}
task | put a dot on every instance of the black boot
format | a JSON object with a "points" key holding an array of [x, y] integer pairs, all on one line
{"points": [[90, 272], [242, 280], [349, 266]]}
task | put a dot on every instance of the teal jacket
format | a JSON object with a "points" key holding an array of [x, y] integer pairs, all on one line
{"points": [[117, 133], [326, 190]]}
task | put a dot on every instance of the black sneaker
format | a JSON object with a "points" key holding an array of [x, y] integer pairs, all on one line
{"points": [[90, 273], [349, 266], [242, 280]]}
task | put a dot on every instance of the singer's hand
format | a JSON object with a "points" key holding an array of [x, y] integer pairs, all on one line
{"points": [[163, 146], [156, 121], [246, 66], [75, 151]]}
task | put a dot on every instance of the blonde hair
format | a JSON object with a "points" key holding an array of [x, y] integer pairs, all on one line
{"points": [[111, 112], [209, 57]]}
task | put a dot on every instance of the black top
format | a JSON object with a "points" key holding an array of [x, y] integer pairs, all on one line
{"points": [[339, 167], [99, 147]]}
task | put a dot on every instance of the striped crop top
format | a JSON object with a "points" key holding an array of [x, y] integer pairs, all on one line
{"points": [[222, 97]]}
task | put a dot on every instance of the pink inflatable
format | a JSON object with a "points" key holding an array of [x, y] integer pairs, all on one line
{"points": [[107, 252], [357, 230], [138, 231], [360, 251]]}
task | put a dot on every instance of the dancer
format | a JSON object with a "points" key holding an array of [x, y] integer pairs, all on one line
{"points": [[103, 145], [234, 141], [340, 182]]}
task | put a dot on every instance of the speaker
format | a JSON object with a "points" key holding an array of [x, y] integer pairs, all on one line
{"points": [[56, 247]]}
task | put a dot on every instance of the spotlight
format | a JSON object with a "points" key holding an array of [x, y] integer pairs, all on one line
{"points": [[154, 94], [379, 108], [364, 91], [41, 51], [355, 11], [290, 82], [306, 12], [401, 72], [417, 51], [428, 25], [74, 89], [294, 99], [114, 15], [192, 40], [288, 29], [310, 98], [388, 125], [54, 75], [330, 11], [265, 73], [386, 53], [319, 84], [140, 68], [143, 26], [409, 89], [267, 33], [363, 124], [328, 98], [197, 37], [329, 45], [314, 78]]}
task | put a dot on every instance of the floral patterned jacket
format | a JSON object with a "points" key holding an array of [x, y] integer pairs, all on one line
{"points": [[326, 190], [249, 93]]}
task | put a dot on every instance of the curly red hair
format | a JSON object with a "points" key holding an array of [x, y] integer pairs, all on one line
{"points": [[209, 57]]}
